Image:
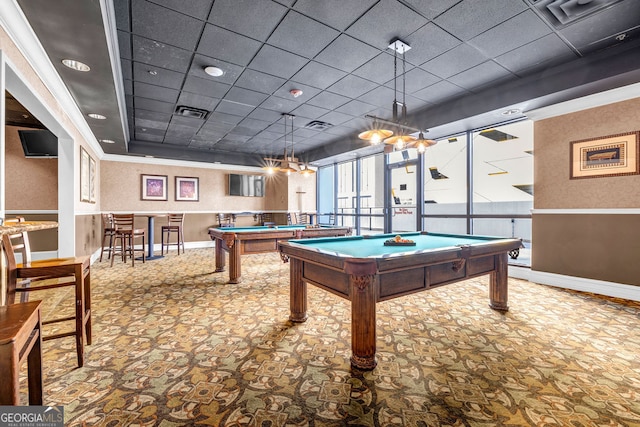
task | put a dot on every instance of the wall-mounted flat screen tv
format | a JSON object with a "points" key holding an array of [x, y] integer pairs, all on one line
{"points": [[246, 185], [38, 143]]}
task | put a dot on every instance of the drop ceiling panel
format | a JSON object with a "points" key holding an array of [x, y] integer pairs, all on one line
{"points": [[165, 25], [277, 62], [352, 86], [200, 62], [157, 76], [429, 42], [205, 87], [223, 44], [440, 91], [153, 105], [480, 75], [539, 53], [160, 54], [156, 92], [255, 19], [318, 75], [508, 35], [262, 82], [302, 35], [431, 8], [378, 69], [194, 8], [328, 100], [338, 14], [387, 20], [197, 101], [234, 108], [470, 18], [454, 61]]}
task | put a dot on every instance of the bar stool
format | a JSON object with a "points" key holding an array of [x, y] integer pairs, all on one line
{"points": [[108, 232], [125, 234], [175, 223]]}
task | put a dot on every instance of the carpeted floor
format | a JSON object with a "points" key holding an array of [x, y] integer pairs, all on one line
{"points": [[174, 345]]}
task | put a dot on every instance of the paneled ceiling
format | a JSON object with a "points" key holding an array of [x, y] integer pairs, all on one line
{"points": [[469, 61]]}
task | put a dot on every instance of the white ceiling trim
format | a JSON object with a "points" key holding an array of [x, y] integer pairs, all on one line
{"points": [[181, 163]]}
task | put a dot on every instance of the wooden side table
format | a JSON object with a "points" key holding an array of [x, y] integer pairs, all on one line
{"points": [[20, 340]]}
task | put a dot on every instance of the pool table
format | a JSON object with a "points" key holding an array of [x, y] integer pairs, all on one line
{"points": [[363, 270], [238, 241]]}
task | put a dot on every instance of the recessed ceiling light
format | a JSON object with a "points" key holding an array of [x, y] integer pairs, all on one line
{"points": [[76, 65], [153, 72], [96, 116], [511, 112], [213, 71], [108, 141]]}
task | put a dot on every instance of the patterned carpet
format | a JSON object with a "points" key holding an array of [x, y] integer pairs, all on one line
{"points": [[174, 345]]}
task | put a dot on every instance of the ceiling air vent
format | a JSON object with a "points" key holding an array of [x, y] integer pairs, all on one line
{"points": [[318, 125], [564, 12], [195, 113]]}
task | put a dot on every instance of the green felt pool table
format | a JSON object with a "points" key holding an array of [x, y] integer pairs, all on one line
{"points": [[238, 241], [365, 271]]}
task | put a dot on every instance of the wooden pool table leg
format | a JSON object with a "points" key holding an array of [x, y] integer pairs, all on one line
{"points": [[220, 261], [499, 284], [297, 292], [362, 288], [235, 271]]}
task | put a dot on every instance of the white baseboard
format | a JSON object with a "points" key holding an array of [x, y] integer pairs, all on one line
{"points": [[601, 287]]}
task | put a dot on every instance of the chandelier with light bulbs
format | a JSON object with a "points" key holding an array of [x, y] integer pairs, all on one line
{"points": [[402, 137], [288, 163]]}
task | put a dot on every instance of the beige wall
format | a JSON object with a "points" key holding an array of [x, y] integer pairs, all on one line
{"points": [[603, 247], [31, 183]]}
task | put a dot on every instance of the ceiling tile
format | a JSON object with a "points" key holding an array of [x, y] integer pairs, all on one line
{"points": [[469, 18], [160, 54], [256, 19], [355, 108], [480, 75], [352, 86], [335, 118], [257, 125], [121, 9], [159, 23], [195, 100], [205, 87], [415, 80], [150, 124], [384, 22], [379, 69], [277, 62], [381, 95], [126, 67], [507, 36], [301, 35], [456, 60], [229, 107], [338, 14], [217, 118], [309, 111], [155, 92], [262, 82], [541, 52], [223, 44], [328, 100], [346, 54], [279, 104], [157, 76], [318, 75], [231, 71], [439, 92], [153, 105], [265, 115], [431, 8], [429, 42], [195, 8], [244, 96]]}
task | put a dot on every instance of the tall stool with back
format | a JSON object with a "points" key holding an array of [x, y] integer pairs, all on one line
{"points": [[175, 224]]}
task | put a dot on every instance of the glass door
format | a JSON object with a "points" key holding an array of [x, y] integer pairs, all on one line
{"points": [[403, 185]]}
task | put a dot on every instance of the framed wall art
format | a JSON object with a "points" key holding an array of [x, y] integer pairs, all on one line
{"points": [[187, 189], [154, 187], [613, 155], [87, 177]]}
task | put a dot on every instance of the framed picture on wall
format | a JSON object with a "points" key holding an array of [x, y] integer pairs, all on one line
{"points": [[154, 187], [187, 189], [92, 180], [86, 183], [613, 155]]}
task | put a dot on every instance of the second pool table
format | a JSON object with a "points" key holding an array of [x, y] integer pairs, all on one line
{"points": [[238, 241], [364, 271]]}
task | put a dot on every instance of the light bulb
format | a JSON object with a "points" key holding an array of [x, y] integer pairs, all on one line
{"points": [[375, 138]]}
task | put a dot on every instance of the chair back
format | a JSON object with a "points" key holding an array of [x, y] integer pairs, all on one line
{"points": [[107, 221], [291, 218], [123, 222], [303, 218], [18, 243], [175, 219]]}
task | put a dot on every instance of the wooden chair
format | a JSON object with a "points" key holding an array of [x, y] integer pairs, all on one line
{"points": [[175, 224], [125, 235], [49, 275], [108, 232], [225, 220], [292, 218], [303, 218], [267, 219]]}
